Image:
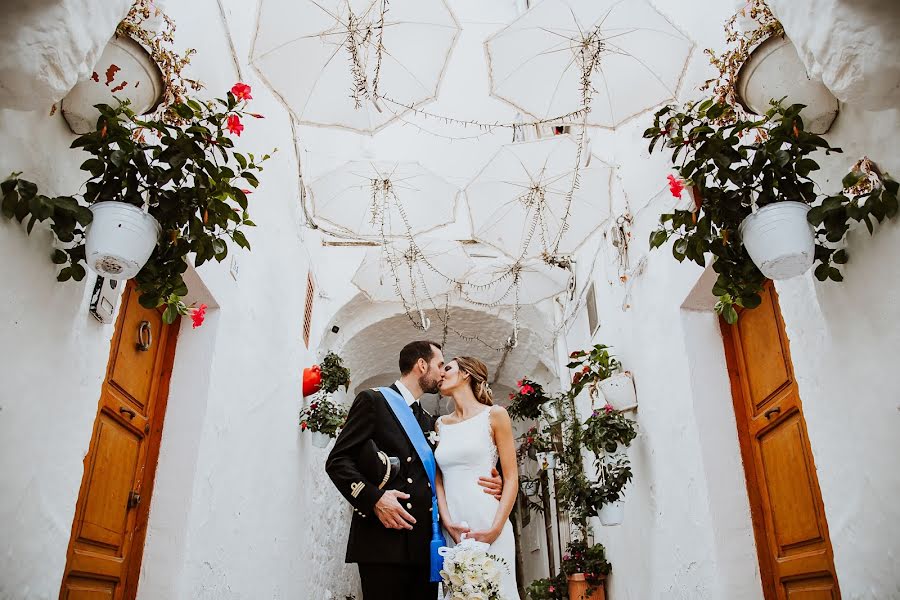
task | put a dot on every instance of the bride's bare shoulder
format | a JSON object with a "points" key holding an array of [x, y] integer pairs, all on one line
{"points": [[499, 415]]}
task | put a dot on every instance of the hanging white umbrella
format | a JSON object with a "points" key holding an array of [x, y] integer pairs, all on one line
{"points": [[413, 271], [523, 203], [381, 199], [621, 56], [504, 281], [330, 60]]}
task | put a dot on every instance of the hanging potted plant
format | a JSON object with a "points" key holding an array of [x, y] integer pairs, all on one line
{"points": [[613, 475], [139, 65], [312, 380], [597, 369], [527, 401], [334, 375], [148, 176], [324, 419], [607, 432], [537, 445], [586, 568], [760, 64], [755, 199]]}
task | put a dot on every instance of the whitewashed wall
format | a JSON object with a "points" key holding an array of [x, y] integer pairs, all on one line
{"points": [[687, 530]]}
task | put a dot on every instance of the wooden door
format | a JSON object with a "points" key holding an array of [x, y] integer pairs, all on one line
{"points": [[104, 555], [795, 554]]}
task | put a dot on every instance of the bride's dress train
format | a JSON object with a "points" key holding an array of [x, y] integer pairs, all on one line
{"points": [[467, 451]]}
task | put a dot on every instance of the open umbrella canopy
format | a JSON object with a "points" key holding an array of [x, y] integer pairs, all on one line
{"points": [[522, 200], [503, 281], [620, 57], [382, 199], [330, 60], [414, 271]]}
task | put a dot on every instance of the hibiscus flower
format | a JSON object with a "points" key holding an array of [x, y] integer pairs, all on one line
{"points": [[234, 125], [198, 314], [241, 91], [676, 186]]}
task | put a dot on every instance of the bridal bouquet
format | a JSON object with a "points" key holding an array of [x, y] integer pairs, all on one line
{"points": [[470, 572]]}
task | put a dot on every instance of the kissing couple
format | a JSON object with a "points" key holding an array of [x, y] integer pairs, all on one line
{"points": [[417, 483]]}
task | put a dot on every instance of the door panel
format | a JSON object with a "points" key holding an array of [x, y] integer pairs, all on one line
{"points": [[795, 554], [103, 560]]}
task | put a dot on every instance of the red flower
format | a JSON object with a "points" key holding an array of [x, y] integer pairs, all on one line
{"points": [[586, 369], [676, 186], [303, 425], [576, 378], [313, 406], [530, 440], [527, 389], [256, 115], [234, 125], [574, 354], [197, 315], [246, 191], [511, 395], [241, 91], [608, 408], [519, 382]]}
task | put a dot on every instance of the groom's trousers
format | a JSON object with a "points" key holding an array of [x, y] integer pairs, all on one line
{"points": [[396, 582]]}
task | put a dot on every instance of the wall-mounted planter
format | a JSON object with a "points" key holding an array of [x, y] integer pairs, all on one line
{"points": [[619, 392], [774, 71], [320, 440], [546, 460], [578, 589], [312, 380], [612, 514], [779, 239], [120, 240], [125, 71]]}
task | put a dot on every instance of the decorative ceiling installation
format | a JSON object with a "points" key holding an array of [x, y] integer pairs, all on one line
{"points": [[520, 202], [329, 60], [618, 58], [383, 200]]}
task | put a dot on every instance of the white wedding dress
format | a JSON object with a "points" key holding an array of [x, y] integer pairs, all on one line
{"points": [[465, 452]]}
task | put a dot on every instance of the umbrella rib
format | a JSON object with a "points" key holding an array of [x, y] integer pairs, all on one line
{"points": [[643, 64]]}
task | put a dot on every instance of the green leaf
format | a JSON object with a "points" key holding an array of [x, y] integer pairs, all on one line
{"points": [[78, 272], [170, 314], [657, 238], [64, 274], [240, 239], [59, 257], [730, 314], [851, 179], [821, 272], [10, 202], [840, 257]]}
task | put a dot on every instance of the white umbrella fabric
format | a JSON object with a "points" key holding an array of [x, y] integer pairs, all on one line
{"points": [[414, 271], [382, 199], [522, 201], [329, 60], [622, 57], [504, 281]]}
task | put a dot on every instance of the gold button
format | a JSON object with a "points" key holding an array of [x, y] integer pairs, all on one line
{"points": [[409, 480], [409, 459], [408, 505]]}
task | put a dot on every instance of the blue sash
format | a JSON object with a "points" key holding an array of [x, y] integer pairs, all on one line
{"points": [[414, 432]]}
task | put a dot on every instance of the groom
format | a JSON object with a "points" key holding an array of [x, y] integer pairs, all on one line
{"points": [[391, 529]]}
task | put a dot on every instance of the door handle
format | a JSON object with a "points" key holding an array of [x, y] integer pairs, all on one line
{"points": [[772, 412], [127, 411], [145, 336], [134, 498]]}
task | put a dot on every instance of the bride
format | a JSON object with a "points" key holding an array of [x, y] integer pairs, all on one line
{"points": [[472, 438]]}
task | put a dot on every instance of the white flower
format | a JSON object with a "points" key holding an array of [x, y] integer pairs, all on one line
{"points": [[434, 437]]}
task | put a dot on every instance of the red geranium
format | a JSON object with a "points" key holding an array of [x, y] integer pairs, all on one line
{"points": [[197, 315], [676, 186], [234, 125], [241, 91], [527, 389]]}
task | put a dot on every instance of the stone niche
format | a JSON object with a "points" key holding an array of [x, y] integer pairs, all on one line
{"points": [[47, 46], [852, 46]]}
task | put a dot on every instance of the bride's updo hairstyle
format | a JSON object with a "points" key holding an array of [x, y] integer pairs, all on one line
{"points": [[478, 375]]}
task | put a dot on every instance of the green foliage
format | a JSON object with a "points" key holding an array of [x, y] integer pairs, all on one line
{"points": [[187, 175], [334, 373], [553, 588], [588, 560], [323, 415], [605, 429], [527, 401], [591, 367], [532, 441], [735, 164]]}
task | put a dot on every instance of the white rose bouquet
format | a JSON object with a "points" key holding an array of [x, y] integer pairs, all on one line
{"points": [[470, 573]]}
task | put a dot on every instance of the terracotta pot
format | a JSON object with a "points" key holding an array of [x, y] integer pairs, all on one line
{"points": [[578, 588], [312, 380]]}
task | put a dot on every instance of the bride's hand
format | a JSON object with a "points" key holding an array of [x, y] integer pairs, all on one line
{"points": [[456, 531], [488, 536]]}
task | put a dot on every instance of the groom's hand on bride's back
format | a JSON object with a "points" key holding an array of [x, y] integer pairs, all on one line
{"points": [[492, 485], [391, 513]]}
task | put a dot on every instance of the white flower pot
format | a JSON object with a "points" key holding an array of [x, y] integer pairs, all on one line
{"points": [[120, 239], [612, 514], [779, 239], [124, 71], [774, 71], [320, 440], [546, 460], [619, 392]]}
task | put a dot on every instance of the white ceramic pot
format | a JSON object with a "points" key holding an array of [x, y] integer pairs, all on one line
{"points": [[124, 71], [619, 392], [774, 71], [612, 514], [120, 239], [320, 440], [779, 239], [546, 460]]}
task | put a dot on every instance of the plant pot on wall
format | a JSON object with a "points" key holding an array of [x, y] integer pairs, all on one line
{"points": [[779, 239], [546, 460], [312, 380], [774, 71], [612, 514], [124, 71], [120, 239], [320, 440], [619, 391], [578, 589]]}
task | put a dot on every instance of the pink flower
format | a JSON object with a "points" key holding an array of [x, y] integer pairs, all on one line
{"points": [[198, 314], [234, 125], [246, 191], [676, 186], [256, 115], [551, 589], [608, 408], [241, 91], [519, 382], [527, 389]]}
